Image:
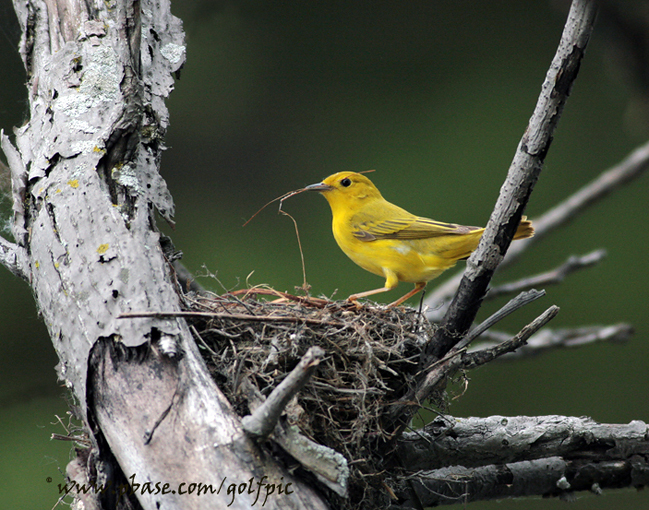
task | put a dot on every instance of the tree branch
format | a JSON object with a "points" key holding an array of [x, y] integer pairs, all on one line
{"points": [[329, 467], [608, 181], [500, 457], [450, 441], [262, 421], [555, 276], [482, 356], [549, 477], [552, 339], [518, 186], [471, 442], [512, 305], [86, 185], [457, 358], [514, 194]]}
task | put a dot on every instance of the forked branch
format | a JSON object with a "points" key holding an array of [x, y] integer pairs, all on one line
{"points": [[457, 357], [514, 194], [522, 176], [610, 180], [552, 277]]}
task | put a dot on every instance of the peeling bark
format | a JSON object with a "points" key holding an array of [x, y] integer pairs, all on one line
{"points": [[86, 184]]}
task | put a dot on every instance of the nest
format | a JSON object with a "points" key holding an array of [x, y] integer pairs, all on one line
{"points": [[371, 359]]}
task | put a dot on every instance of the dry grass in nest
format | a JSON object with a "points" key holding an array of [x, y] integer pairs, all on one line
{"points": [[372, 355]]}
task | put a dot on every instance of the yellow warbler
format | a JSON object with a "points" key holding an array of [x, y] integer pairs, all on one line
{"points": [[387, 240]]}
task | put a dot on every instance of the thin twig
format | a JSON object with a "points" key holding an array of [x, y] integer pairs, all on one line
{"points": [[519, 301], [447, 367], [281, 201], [200, 340], [262, 421], [305, 286], [306, 300], [628, 169], [555, 276], [560, 338], [239, 316], [477, 358]]}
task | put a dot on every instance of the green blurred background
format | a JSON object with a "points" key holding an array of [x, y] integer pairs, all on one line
{"points": [[434, 95]]}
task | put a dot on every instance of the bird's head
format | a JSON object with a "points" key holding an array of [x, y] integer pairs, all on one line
{"points": [[348, 190]]}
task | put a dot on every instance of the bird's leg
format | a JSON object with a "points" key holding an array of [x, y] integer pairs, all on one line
{"points": [[355, 297], [419, 286], [391, 281], [421, 301]]}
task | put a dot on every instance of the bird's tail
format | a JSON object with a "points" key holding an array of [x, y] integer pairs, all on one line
{"points": [[460, 247], [524, 230]]}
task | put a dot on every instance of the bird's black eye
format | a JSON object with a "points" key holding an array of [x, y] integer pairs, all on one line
{"points": [[346, 182]]}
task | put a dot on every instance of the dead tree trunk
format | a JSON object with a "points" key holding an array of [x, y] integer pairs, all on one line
{"points": [[86, 184]]}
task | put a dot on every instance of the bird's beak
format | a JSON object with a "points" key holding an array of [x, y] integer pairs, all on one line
{"points": [[319, 186]]}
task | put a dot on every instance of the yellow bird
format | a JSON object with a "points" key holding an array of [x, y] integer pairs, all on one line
{"points": [[388, 241]]}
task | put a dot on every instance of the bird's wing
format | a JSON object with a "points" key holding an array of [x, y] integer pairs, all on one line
{"points": [[407, 227]]}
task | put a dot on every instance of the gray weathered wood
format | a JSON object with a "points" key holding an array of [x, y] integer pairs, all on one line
{"points": [[459, 460], [514, 194], [86, 183], [548, 477], [523, 173], [551, 339], [450, 441], [261, 422], [329, 467]]}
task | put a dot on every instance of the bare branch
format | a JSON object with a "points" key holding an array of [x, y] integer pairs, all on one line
{"points": [[98, 76], [522, 176], [514, 194], [262, 421], [500, 457], [555, 276], [477, 358], [608, 181], [553, 476], [628, 169], [446, 367], [329, 467], [552, 339], [241, 316], [471, 442], [519, 301]]}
